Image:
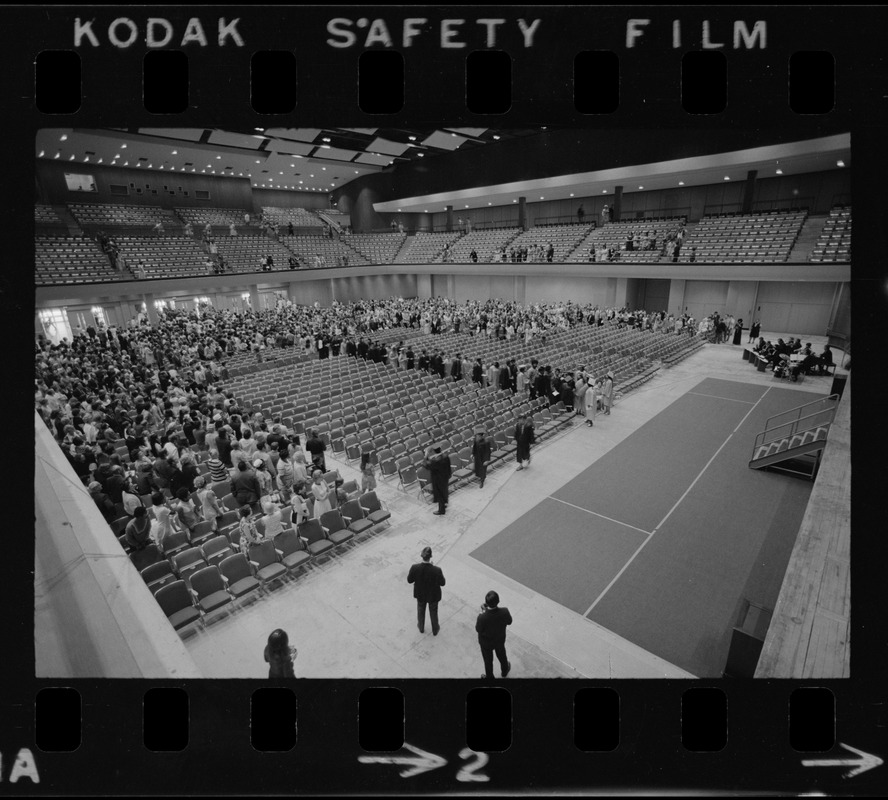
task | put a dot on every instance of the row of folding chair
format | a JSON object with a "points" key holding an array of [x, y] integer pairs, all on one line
{"points": [[199, 580]]}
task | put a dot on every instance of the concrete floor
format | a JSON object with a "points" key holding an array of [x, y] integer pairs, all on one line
{"points": [[353, 615]]}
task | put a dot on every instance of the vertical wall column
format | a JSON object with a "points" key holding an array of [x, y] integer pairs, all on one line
{"points": [[520, 288], [749, 191], [423, 286], [621, 292], [449, 228], [255, 301], [676, 297], [618, 202], [150, 310], [332, 290], [522, 213]]}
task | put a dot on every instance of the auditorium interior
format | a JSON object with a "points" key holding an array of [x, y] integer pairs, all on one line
{"points": [[700, 528]]}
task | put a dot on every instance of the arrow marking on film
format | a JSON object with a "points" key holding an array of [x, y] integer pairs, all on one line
{"points": [[862, 764], [418, 763]]}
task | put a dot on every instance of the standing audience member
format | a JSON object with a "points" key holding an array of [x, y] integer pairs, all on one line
{"points": [[607, 393], [209, 503], [315, 445], [321, 493], [439, 466], [491, 628], [248, 533], [186, 513], [427, 580], [279, 655]]}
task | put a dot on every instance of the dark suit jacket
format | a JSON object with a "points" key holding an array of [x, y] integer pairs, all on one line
{"points": [[245, 487], [491, 626], [427, 580]]}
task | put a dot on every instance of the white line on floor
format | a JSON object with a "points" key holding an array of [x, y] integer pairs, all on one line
{"points": [[669, 513], [626, 524], [700, 394]]}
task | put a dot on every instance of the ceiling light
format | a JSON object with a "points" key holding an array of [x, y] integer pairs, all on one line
{"points": [[681, 183], [326, 139], [399, 209], [332, 184], [117, 156], [356, 172], [514, 201], [490, 204], [99, 161], [138, 163], [71, 159], [542, 198], [280, 173], [453, 134], [840, 163], [258, 161], [727, 178], [496, 137], [218, 157], [126, 164], [466, 206], [421, 155], [86, 158], [323, 168], [779, 171], [425, 211], [292, 165], [641, 187], [41, 154], [412, 138], [311, 176], [175, 152], [202, 171], [63, 137], [604, 191], [150, 166], [56, 155], [161, 166], [571, 194], [123, 146], [261, 130]]}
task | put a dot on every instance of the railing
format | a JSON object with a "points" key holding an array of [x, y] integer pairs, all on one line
{"points": [[809, 416], [564, 219]]}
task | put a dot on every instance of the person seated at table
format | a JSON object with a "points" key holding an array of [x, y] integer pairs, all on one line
{"points": [[760, 345], [825, 361]]}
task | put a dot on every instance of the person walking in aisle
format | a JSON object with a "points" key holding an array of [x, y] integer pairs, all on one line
{"points": [[279, 655], [481, 454], [427, 580], [524, 438], [438, 465], [590, 401], [491, 629]]}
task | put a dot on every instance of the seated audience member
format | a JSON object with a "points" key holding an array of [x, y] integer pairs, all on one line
{"points": [[104, 503], [825, 361], [138, 530]]}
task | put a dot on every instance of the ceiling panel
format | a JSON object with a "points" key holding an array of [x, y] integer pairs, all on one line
{"points": [[236, 140], [373, 158], [186, 134], [290, 148], [444, 141], [380, 145], [368, 131], [335, 153], [476, 132], [299, 134]]}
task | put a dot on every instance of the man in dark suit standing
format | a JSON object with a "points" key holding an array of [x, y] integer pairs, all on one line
{"points": [[427, 580], [491, 628], [439, 466]]}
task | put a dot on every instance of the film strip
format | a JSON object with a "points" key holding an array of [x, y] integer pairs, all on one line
{"points": [[670, 76]]}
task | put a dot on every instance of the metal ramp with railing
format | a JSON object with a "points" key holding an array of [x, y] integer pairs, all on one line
{"points": [[793, 441]]}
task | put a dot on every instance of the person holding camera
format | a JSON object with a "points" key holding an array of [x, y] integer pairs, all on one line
{"points": [[491, 629]]}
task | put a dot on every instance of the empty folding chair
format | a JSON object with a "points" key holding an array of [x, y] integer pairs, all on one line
{"points": [[157, 575], [215, 550], [202, 532], [387, 466], [177, 604], [209, 590], [228, 519], [374, 508], [266, 562], [466, 470], [229, 503], [187, 561], [313, 535], [221, 488], [238, 576], [175, 543], [355, 518], [351, 489], [291, 549], [335, 527]]}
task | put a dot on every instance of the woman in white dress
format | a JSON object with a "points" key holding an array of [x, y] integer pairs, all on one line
{"points": [[321, 493], [590, 401]]}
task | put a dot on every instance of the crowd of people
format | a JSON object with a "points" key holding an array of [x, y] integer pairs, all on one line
{"points": [[779, 357], [155, 389]]}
